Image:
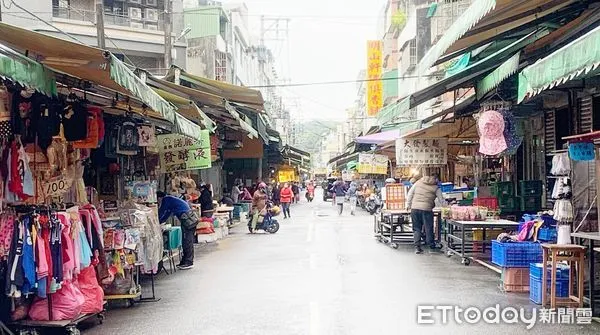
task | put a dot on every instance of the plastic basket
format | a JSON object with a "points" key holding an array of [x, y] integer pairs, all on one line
{"points": [[531, 204], [446, 187], [491, 203], [547, 234], [517, 254], [535, 289], [504, 188], [562, 271], [530, 188], [507, 204]]}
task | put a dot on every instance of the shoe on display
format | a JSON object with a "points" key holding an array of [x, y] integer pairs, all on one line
{"points": [[185, 266]]}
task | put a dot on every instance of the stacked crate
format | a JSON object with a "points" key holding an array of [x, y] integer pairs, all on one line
{"points": [[535, 281], [505, 193], [530, 192], [515, 259]]}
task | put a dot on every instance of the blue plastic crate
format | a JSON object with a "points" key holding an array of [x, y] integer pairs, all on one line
{"points": [[516, 254], [447, 187], [535, 289], [562, 271], [547, 234]]}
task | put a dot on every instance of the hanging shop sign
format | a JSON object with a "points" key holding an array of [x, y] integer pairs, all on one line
{"points": [[374, 71], [582, 151], [286, 175], [421, 151], [214, 148], [372, 164], [57, 186], [180, 153]]}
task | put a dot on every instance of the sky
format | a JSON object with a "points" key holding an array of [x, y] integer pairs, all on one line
{"points": [[327, 42]]}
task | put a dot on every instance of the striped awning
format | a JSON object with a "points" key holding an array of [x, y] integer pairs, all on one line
{"points": [[574, 60], [492, 80]]}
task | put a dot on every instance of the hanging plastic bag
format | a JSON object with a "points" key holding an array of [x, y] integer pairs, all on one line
{"points": [[92, 292], [66, 304]]}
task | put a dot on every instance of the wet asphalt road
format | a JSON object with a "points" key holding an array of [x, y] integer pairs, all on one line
{"points": [[320, 274]]}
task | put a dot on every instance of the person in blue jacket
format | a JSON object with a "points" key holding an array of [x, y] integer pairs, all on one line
{"points": [[168, 206]]}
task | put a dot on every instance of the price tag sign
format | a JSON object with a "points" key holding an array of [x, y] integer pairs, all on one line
{"points": [[57, 186]]}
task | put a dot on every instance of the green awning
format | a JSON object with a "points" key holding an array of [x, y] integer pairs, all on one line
{"points": [[475, 12], [186, 127], [388, 113], [26, 72], [461, 63], [497, 76], [123, 76], [432, 9], [575, 59]]}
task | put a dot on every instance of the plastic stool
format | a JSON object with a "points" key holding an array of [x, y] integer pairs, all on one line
{"points": [[574, 256]]}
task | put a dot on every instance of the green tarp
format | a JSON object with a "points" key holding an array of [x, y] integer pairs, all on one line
{"points": [[123, 76], [388, 113], [575, 59], [475, 12], [186, 127], [459, 65], [494, 79], [26, 72]]}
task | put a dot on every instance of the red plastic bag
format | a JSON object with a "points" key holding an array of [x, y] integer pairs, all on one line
{"points": [[92, 292], [66, 304]]}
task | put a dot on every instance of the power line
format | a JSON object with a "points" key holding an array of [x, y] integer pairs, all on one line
{"points": [[342, 81]]}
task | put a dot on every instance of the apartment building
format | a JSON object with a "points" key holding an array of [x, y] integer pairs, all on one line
{"points": [[134, 29]]}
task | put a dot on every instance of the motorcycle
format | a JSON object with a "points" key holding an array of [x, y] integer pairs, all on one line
{"points": [[269, 224], [373, 204]]}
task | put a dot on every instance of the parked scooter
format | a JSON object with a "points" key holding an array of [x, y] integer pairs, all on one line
{"points": [[267, 222], [373, 204]]}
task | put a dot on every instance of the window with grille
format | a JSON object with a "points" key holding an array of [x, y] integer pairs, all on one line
{"points": [[412, 50]]}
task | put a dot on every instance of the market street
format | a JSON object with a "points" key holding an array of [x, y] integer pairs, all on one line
{"points": [[318, 275]]}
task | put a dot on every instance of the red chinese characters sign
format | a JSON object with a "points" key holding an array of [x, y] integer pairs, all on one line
{"points": [[180, 153], [374, 71]]}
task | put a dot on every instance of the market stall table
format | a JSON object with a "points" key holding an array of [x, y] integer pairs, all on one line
{"points": [[591, 237], [461, 227], [393, 227]]}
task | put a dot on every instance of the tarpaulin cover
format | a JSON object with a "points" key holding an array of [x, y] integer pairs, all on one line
{"points": [[379, 138]]}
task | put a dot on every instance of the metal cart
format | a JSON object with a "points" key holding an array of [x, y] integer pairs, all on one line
{"points": [[30, 327], [393, 227], [460, 241]]}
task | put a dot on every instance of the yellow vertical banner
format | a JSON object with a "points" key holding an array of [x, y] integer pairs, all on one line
{"points": [[374, 71]]}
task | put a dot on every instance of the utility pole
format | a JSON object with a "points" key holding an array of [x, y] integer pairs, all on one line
{"points": [[99, 24], [168, 33]]}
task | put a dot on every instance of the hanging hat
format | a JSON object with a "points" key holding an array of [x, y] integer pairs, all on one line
{"points": [[491, 133]]}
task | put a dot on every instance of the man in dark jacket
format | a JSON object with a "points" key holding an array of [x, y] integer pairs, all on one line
{"points": [[339, 190], [206, 201], [296, 191], [421, 200]]}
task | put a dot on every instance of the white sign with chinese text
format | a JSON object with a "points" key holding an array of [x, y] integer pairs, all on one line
{"points": [[421, 151]]}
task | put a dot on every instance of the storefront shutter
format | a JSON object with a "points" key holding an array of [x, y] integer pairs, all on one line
{"points": [[585, 115], [549, 132]]}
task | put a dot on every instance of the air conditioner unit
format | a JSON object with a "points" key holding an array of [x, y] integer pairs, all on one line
{"points": [[151, 26], [136, 25], [151, 15], [139, 2], [152, 2], [135, 13]]}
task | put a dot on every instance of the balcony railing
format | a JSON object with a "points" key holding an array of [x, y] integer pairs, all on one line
{"points": [[109, 18]]}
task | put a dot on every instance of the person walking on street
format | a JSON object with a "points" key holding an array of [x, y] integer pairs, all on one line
{"points": [[286, 198], [259, 202], [168, 206], [339, 190], [296, 191], [352, 194], [421, 200], [235, 193], [276, 197]]}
